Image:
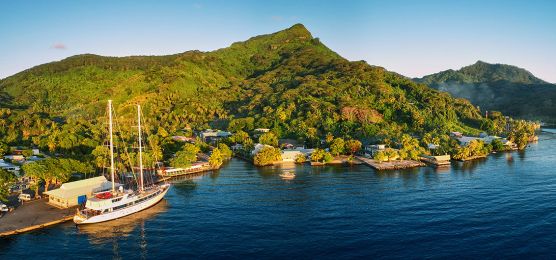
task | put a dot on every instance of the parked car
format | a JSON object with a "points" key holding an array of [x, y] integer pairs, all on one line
{"points": [[24, 197], [3, 207]]}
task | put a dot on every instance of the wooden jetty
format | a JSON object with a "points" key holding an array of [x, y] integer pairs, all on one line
{"points": [[195, 168], [391, 165]]}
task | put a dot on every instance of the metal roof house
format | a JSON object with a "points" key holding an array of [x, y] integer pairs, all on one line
{"points": [[210, 134], [77, 192], [9, 166]]}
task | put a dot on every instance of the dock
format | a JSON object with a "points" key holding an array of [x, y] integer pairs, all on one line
{"points": [[33, 215], [391, 165], [175, 172]]}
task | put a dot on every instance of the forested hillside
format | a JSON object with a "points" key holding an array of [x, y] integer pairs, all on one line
{"points": [[287, 81], [509, 89]]}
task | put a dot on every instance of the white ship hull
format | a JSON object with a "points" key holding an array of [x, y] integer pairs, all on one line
{"points": [[121, 212]]}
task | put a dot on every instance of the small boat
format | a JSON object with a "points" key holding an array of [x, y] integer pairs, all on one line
{"points": [[287, 175], [119, 203]]}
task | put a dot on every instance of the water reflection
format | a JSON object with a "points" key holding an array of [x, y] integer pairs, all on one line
{"points": [[270, 172], [443, 169], [469, 166], [509, 159], [184, 187], [409, 177], [521, 154], [100, 233]]}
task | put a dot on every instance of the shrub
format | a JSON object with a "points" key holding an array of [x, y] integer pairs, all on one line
{"points": [[267, 156]]}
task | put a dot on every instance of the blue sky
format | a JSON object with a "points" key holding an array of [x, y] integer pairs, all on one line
{"points": [[413, 38]]}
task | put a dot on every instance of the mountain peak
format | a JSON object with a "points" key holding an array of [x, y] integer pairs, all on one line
{"points": [[298, 30], [484, 72], [298, 27]]}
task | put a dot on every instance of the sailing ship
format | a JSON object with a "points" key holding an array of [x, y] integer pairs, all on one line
{"points": [[118, 203]]}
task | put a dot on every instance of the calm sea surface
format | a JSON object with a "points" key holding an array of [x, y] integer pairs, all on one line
{"points": [[502, 206]]}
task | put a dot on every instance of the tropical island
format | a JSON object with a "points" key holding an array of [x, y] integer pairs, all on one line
{"points": [[514, 91], [273, 93]]}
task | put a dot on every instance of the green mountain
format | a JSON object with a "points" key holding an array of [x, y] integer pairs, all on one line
{"points": [[509, 89], [288, 81]]}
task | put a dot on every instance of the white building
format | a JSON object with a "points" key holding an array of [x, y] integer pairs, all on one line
{"points": [[258, 147], [77, 192], [262, 130], [487, 139], [374, 148], [289, 155]]}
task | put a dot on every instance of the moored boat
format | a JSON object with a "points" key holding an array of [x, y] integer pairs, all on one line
{"points": [[115, 204]]}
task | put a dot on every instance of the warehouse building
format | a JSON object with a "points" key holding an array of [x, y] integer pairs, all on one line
{"points": [[75, 193]]}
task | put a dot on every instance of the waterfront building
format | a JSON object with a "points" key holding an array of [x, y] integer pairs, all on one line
{"points": [[193, 168], [77, 192], [290, 155], [372, 149], [438, 160]]}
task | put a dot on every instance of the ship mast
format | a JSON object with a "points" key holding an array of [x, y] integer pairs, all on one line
{"points": [[111, 145], [140, 145]]}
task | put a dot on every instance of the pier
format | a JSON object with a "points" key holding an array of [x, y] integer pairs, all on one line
{"points": [[33, 215], [174, 172], [391, 165]]}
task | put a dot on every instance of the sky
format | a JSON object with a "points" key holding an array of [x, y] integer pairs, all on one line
{"points": [[413, 38]]}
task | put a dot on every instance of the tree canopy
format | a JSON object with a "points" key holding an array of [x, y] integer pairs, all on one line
{"points": [[186, 156]]}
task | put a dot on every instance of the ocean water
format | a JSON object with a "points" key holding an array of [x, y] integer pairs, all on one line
{"points": [[503, 206]]}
